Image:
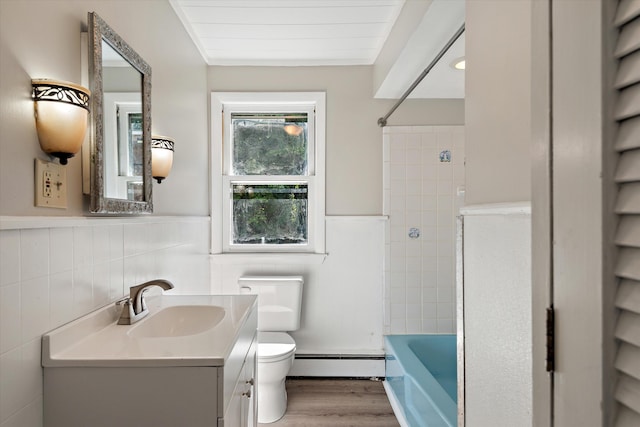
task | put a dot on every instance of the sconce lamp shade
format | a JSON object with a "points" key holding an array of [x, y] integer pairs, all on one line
{"points": [[161, 157], [61, 111]]}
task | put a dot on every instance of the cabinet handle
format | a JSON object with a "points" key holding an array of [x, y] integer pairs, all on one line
{"points": [[247, 394], [250, 382]]}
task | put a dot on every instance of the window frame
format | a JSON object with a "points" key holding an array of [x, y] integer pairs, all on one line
{"points": [[225, 103]]}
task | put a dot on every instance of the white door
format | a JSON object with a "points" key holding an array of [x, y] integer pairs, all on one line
{"points": [[577, 200], [587, 223]]}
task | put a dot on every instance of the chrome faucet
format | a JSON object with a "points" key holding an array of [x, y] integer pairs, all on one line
{"points": [[134, 308]]}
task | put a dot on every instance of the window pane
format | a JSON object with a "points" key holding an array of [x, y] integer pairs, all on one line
{"points": [[269, 144], [270, 214], [130, 142]]}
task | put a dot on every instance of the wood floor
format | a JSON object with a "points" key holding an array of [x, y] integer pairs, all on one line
{"points": [[336, 403]]}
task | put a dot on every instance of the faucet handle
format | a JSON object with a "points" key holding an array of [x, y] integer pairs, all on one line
{"points": [[123, 300], [127, 311]]}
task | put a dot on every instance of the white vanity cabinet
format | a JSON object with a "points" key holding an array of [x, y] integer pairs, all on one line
{"points": [[243, 402], [103, 379], [239, 398]]}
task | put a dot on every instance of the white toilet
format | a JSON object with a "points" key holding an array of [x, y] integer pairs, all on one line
{"points": [[279, 303]]}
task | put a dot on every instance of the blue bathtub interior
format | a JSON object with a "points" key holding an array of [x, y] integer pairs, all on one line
{"points": [[421, 374]]}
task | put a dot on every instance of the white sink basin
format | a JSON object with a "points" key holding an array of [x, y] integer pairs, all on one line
{"points": [[178, 321], [180, 330]]}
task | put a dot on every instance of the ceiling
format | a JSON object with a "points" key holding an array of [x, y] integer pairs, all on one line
{"points": [[398, 37]]}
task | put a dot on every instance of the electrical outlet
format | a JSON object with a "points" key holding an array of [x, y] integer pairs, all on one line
{"points": [[47, 183], [51, 185]]}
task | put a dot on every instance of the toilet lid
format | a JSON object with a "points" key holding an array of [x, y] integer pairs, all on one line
{"points": [[273, 351], [275, 345]]}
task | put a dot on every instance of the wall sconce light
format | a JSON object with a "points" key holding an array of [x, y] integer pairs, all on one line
{"points": [[61, 111], [161, 157]]}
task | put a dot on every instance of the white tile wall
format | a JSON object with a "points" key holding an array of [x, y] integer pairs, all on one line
{"points": [[341, 297], [421, 192], [53, 271]]}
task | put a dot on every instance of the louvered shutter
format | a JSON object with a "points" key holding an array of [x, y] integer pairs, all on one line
{"points": [[627, 144]]}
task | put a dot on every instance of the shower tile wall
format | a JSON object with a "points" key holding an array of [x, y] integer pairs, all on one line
{"points": [[423, 191]]}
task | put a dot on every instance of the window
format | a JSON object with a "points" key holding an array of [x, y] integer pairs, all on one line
{"points": [[268, 172]]}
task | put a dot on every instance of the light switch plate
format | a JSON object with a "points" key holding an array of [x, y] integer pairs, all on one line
{"points": [[51, 185]]}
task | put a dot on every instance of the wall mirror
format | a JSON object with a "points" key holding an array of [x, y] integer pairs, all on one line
{"points": [[120, 164]]}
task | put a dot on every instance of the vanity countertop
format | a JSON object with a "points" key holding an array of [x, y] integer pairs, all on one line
{"points": [[96, 340]]}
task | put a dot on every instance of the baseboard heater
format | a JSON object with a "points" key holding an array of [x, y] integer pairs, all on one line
{"points": [[338, 365], [341, 356]]}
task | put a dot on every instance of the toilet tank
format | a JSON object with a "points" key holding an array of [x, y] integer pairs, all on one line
{"points": [[279, 300]]}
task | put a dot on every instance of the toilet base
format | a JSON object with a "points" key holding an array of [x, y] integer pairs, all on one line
{"points": [[272, 401]]}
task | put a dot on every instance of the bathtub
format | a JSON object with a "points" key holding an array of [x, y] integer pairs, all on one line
{"points": [[421, 379]]}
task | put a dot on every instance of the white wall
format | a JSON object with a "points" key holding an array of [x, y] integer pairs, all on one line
{"points": [[420, 191], [55, 270], [42, 39], [497, 315], [342, 297]]}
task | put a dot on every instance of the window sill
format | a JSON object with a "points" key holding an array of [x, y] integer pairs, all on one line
{"points": [[269, 258]]}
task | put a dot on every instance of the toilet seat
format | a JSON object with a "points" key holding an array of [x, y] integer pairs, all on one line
{"points": [[275, 346]]}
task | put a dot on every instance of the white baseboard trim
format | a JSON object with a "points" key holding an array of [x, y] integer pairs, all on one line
{"points": [[337, 367]]}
